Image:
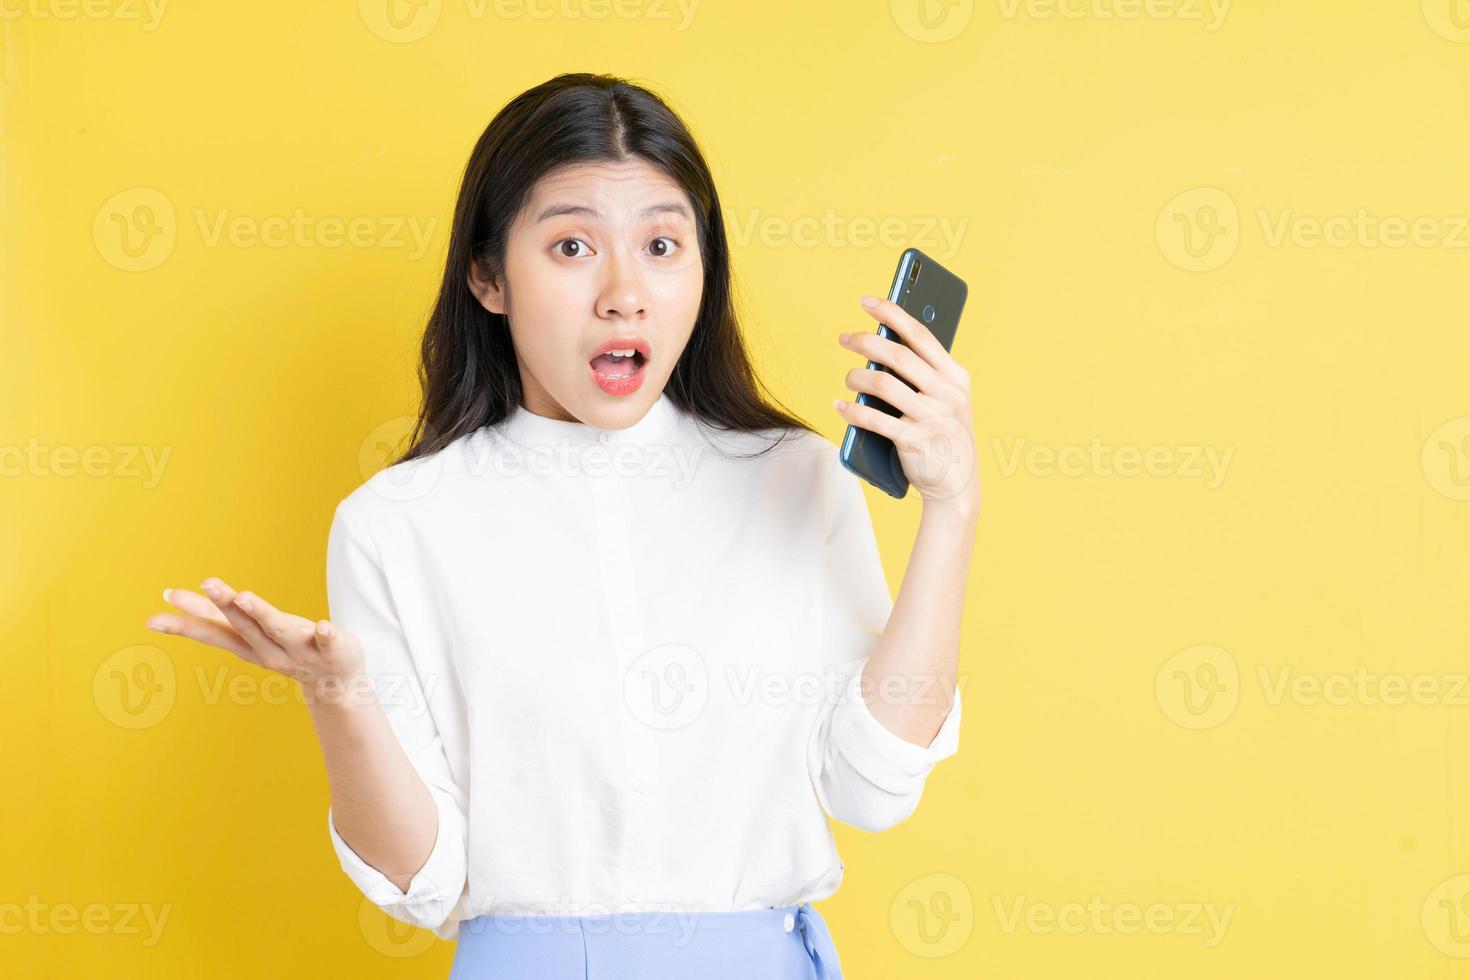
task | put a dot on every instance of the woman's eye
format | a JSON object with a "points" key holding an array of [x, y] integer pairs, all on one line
{"points": [[562, 248], [672, 245]]}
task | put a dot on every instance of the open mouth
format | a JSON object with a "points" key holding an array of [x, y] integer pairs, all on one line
{"points": [[622, 363]]}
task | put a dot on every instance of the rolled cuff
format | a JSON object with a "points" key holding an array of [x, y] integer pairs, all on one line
{"points": [[434, 890], [883, 757]]}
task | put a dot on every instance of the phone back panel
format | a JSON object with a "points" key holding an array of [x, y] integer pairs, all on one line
{"points": [[935, 297]]}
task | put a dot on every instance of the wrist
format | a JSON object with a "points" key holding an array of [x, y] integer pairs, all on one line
{"points": [[960, 509], [338, 694]]}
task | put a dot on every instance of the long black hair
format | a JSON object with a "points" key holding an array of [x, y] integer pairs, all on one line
{"points": [[468, 366]]}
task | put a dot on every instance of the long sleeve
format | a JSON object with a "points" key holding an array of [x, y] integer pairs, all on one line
{"points": [[864, 774], [361, 603]]}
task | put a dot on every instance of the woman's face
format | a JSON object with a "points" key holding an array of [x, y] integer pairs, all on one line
{"points": [[602, 254]]}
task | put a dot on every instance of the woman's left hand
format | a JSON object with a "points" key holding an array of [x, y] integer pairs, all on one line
{"points": [[934, 436]]}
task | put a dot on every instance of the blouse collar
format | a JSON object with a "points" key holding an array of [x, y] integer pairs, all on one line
{"points": [[529, 430]]}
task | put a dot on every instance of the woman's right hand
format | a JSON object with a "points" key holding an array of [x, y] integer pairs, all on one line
{"points": [[317, 654]]}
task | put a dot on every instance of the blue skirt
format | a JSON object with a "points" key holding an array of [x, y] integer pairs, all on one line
{"points": [[790, 943]]}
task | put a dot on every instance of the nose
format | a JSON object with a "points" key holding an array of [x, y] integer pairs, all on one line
{"points": [[623, 293]]}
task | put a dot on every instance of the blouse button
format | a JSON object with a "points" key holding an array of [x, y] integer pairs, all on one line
{"points": [[790, 922], [603, 437], [639, 786]]}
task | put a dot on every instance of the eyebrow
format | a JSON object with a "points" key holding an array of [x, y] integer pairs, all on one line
{"points": [[552, 210]]}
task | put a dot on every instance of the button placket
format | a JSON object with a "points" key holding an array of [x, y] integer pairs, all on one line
{"points": [[628, 641]]}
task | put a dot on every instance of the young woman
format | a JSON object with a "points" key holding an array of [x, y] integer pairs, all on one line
{"points": [[612, 640]]}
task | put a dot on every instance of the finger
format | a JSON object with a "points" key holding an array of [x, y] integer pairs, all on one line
{"points": [[292, 633], [224, 597], [195, 605], [919, 338], [330, 641], [868, 417], [892, 390], [208, 631], [902, 360]]}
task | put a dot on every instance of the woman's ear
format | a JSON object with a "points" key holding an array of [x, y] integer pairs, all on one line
{"points": [[486, 289]]}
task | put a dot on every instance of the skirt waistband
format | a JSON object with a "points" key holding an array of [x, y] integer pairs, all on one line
{"points": [[677, 937]]}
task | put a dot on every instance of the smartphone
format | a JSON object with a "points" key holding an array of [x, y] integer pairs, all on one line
{"points": [[935, 297]]}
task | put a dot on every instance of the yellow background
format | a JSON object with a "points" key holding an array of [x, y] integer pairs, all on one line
{"points": [[1075, 152]]}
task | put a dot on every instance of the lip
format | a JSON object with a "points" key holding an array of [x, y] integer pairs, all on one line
{"points": [[621, 343], [620, 386]]}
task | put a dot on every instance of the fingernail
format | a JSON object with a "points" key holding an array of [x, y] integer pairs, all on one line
{"points": [[156, 626], [243, 601], [839, 404], [869, 301], [324, 630], [165, 595], [843, 337]]}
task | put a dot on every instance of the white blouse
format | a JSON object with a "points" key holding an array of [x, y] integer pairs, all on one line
{"points": [[626, 665]]}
